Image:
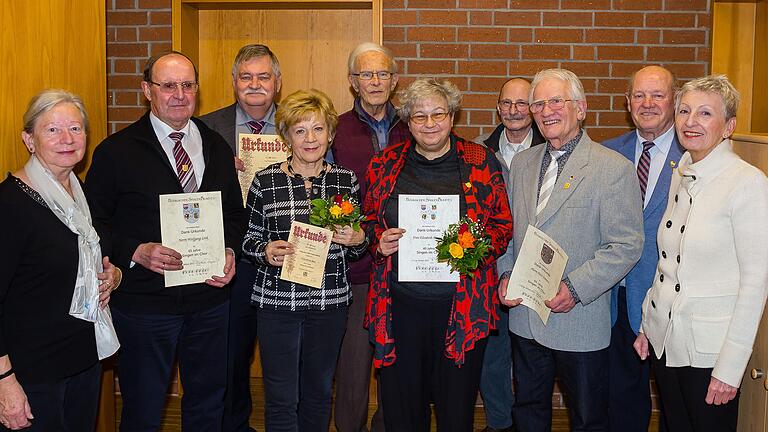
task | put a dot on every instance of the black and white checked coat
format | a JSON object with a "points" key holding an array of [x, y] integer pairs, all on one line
{"points": [[275, 200]]}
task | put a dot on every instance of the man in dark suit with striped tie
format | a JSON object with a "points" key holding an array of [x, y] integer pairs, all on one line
{"points": [[256, 82]]}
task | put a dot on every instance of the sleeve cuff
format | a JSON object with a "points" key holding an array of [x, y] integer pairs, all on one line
{"points": [[572, 290]]}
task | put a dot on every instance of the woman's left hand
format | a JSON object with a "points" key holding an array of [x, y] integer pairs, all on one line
{"points": [[110, 279], [347, 236], [719, 393]]}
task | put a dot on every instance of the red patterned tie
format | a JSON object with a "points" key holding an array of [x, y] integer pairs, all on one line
{"points": [[184, 167], [643, 167], [256, 126]]}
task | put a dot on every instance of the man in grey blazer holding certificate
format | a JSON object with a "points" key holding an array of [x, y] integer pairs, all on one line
{"points": [[586, 198]]}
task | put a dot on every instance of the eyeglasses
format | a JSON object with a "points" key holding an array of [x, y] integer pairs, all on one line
{"points": [[421, 119], [554, 104], [188, 87], [506, 104], [368, 75]]}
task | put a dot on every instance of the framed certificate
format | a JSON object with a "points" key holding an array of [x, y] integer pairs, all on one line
{"points": [[257, 152], [193, 225], [424, 219], [307, 264]]}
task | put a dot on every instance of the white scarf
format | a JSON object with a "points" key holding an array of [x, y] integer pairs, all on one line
{"points": [[75, 214]]}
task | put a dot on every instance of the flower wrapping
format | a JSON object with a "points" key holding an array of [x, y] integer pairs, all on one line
{"points": [[463, 246]]}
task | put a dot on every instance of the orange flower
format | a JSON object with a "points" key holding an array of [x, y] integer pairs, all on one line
{"points": [[466, 240], [347, 207]]}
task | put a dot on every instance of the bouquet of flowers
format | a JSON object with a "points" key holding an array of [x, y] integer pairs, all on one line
{"points": [[463, 246], [339, 210]]}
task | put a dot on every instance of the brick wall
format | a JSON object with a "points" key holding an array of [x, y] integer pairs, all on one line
{"points": [[477, 44]]}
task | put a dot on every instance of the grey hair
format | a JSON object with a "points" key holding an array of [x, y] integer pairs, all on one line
{"points": [[252, 51], [45, 101], [716, 84], [577, 89], [423, 88], [368, 47]]}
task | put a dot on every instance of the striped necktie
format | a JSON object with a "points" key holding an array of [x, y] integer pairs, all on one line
{"points": [[644, 167], [548, 182], [184, 168], [255, 126]]}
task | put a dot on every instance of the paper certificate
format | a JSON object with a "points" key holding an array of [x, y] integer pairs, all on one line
{"points": [[307, 265], [193, 225], [424, 219], [258, 152], [538, 271]]}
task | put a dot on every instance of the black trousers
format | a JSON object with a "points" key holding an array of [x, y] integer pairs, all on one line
{"points": [[583, 379], [422, 373], [629, 388], [65, 405], [683, 391]]}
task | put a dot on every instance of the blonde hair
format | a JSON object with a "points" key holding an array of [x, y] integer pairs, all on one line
{"points": [[716, 84], [46, 100], [301, 105]]}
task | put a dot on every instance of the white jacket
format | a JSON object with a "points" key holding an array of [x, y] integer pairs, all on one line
{"points": [[711, 282]]}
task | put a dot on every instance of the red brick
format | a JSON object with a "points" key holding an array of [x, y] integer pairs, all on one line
{"points": [[132, 82], [443, 50], [546, 51], [443, 18], [432, 4], [466, 132], [620, 52], [125, 98], [603, 35], [111, 32], [400, 50], [684, 37], [625, 70], [116, 126], [534, 4], [517, 34], [687, 5], [585, 4], [609, 85], [484, 68], [401, 18], [529, 68], [637, 5], [587, 69], [583, 52], [568, 19], [478, 117], [599, 103], [556, 35], [590, 85], [704, 20], [160, 18], [122, 66], [648, 36], [393, 4], [479, 100], [159, 47], [480, 18], [483, 84], [676, 54], [681, 20], [618, 19], [124, 4], [127, 18], [687, 71], [483, 4], [614, 118], [155, 33], [127, 50], [703, 54], [436, 34], [517, 18], [482, 34], [619, 103], [154, 4], [495, 51], [393, 34], [431, 67], [125, 34], [601, 134]]}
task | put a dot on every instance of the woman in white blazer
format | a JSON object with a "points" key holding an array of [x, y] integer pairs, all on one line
{"points": [[703, 310]]}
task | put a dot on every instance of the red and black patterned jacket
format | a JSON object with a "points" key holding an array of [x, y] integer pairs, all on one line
{"points": [[473, 313]]}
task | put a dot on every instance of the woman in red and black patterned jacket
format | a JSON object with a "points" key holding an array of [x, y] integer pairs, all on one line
{"points": [[438, 328]]}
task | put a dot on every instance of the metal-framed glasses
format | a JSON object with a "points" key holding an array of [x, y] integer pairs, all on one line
{"points": [[170, 87], [368, 75], [554, 104], [421, 119], [506, 105]]}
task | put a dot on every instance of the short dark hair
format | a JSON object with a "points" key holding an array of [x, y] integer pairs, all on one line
{"points": [[147, 77]]}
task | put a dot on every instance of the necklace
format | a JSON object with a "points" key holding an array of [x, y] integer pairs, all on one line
{"points": [[310, 179]]}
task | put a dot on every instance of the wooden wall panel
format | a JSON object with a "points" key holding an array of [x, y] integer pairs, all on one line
{"points": [[50, 43]]}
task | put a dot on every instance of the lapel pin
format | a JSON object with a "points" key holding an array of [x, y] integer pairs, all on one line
{"points": [[468, 185], [185, 167], [672, 163], [566, 185]]}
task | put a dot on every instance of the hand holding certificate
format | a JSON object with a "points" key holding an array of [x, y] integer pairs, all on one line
{"points": [[257, 152], [306, 265], [537, 273]]}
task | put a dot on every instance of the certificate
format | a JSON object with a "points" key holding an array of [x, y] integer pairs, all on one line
{"points": [[258, 152], [424, 219], [193, 225], [307, 264], [538, 271]]}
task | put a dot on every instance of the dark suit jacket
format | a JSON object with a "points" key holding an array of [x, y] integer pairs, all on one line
{"points": [[640, 278], [129, 172], [223, 121]]}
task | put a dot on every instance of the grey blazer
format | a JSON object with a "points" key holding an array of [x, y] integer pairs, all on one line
{"points": [[223, 121], [596, 216]]}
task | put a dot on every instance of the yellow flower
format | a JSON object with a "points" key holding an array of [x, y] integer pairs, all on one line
{"points": [[335, 210], [456, 251]]}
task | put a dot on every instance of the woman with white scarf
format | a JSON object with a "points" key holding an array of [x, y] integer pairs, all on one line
{"points": [[55, 325]]}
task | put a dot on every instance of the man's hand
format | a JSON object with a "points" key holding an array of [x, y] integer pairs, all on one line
{"points": [[503, 294], [157, 257], [239, 165], [563, 301], [229, 271]]}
